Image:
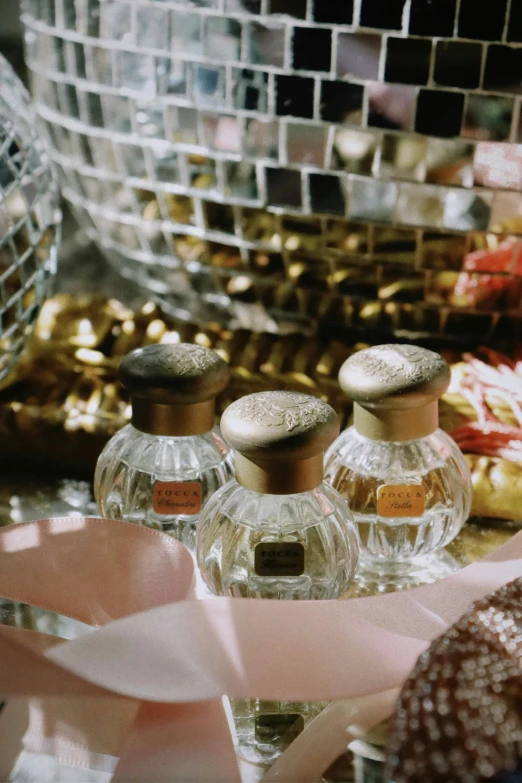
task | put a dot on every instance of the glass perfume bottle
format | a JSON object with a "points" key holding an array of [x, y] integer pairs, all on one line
{"points": [[161, 469], [276, 531], [405, 480]]}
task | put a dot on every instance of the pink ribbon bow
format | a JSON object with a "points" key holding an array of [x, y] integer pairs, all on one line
{"points": [[146, 687]]}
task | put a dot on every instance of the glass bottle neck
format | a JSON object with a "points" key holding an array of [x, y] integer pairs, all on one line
{"points": [[173, 420], [390, 425], [269, 477]]}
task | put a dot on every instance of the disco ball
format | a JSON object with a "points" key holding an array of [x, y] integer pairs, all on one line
{"points": [[29, 218], [295, 162]]}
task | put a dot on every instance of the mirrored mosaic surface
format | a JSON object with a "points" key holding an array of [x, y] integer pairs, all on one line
{"points": [[29, 219], [295, 161]]}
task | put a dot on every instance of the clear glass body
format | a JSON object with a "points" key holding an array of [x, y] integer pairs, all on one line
{"points": [[358, 467], [236, 529], [134, 463]]}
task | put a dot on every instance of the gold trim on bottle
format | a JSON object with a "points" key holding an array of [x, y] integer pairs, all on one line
{"points": [[275, 477], [175, 420], [396, 425]]}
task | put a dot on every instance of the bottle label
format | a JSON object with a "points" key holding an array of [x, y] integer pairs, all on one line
{"points": [[401, 500], [177, 497], [280, 558], [278, 728]]}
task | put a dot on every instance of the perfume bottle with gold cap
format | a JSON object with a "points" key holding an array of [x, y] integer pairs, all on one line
{"points": [[405, 480], [161, 469], [276, 531]]}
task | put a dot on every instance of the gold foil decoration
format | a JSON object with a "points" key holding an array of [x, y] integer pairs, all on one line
{"points": [[63, 401]]}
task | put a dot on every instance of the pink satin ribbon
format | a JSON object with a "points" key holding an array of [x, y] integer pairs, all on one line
{"points": [[146, 686]]}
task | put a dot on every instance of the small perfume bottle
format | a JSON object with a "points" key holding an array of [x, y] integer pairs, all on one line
{"points": [[405, 480], [161, 469], [276, 531]]}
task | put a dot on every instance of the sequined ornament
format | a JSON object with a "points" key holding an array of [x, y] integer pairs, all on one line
{"points": [[290, 162], [29, 218], [459, 715]]}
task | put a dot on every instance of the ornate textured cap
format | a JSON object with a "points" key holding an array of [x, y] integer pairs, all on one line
{"points": [[275, 425], [395, 376], [395, 389], [269, 428], [173, 387], [169, 374]]}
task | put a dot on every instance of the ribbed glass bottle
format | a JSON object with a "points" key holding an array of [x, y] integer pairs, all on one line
{"points": [[276, 532], [161, 469], [406, 481], [147, 479], [430, 469]]}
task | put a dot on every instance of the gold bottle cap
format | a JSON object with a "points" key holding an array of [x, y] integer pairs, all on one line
{"points": [[280, 438], [395, 389], [173, 387]]}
